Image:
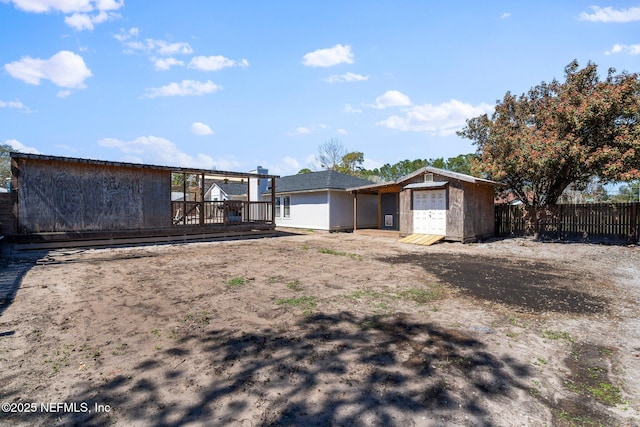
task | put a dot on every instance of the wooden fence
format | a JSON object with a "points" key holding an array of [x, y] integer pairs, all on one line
{"points": [[7, 223], [594, 222]]}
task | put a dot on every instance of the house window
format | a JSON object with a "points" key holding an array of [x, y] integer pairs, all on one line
{"points": [[278, 201], [428, 177], [287, 206]]}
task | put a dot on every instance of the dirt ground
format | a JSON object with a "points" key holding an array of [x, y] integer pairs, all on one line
{"points": [[323, 329]]}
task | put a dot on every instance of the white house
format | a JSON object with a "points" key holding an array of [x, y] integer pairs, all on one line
{"points": [[220, 191], [319, 201]]}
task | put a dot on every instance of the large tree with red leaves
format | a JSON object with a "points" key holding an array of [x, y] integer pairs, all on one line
{"points": [[559, 134]]}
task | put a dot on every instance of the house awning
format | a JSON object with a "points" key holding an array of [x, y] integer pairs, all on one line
{"points": [[426, 185]]}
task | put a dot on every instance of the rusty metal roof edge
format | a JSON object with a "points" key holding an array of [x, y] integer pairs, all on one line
{"points": [[43, 157]]}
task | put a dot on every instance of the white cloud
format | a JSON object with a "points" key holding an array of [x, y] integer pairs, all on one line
{"points": [[329, 57], [505, 15], [199, 128], [291, 166], [391, 98], [19, 146], [349, 109], [81, 14], [609, 14], [443, 119], [84, 21], [109, 4], [63, 93], [125, 35], [162, 52], [157, 150], [303, 130], [300, 130], [64, 69], [45, 6], [158, 47], [371, 164], [288, 166], [184, 88], [165, 63], [215, 63], [631, 49], [347, 77], [342, 131], [18, 105]]}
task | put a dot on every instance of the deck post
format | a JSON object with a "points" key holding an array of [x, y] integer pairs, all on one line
{"points": [[379, 210], [273, 201], [184, 197], [202, 199]]}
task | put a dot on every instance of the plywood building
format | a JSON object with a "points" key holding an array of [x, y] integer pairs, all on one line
{"points": [[75, 199]]}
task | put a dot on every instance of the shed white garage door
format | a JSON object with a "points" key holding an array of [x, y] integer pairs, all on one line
{"points": [[430, 212]]}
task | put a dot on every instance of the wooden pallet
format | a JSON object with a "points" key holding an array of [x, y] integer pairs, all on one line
{"points": [[422, 239]]}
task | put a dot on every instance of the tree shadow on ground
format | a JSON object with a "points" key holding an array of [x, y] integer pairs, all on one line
{"points": [[12, 271], [528, 285], [335, 369]]}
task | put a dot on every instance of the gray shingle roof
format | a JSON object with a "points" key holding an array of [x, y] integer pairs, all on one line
{"points": [[233, 188], [324, 180]]}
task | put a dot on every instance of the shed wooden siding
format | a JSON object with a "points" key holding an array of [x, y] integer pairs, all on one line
{"points": [[66, 196], [406, 212], [479, 212]]}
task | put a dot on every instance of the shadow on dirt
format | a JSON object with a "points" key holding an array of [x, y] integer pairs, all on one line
{"points": [[530, 286], [12, 270], [325, 370]]}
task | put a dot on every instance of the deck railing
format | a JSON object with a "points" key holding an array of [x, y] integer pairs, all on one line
{"points": [[228, 212]]}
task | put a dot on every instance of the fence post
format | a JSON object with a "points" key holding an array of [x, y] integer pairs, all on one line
{"points": [[634, 232], [559, 219]]}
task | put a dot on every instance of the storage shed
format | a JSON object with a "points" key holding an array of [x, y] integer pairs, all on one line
{"points": [[436, 201]]}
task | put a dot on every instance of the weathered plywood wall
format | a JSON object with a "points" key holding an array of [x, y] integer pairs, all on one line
{"points": [[406, 213], [455, 211], [70, 196], [479, 212]]}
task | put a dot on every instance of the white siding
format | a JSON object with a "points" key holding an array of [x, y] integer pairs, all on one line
{"points": [[341, 210], [329, 210], [308, 210], [215, 194]]}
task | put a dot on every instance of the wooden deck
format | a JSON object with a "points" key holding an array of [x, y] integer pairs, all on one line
{"points": [[54, 240]]}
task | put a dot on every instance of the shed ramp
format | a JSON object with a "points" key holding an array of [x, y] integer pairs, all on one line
{"points": [[422, 239]]}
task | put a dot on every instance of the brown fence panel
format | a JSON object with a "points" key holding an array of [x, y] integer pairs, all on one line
{"points": [[595, 221], [7, 221]]}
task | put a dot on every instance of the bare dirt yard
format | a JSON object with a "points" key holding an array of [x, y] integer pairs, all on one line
{"points": [[323, 329]]}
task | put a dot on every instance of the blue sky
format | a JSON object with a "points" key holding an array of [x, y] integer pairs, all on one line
{"points": [[233, 85]]}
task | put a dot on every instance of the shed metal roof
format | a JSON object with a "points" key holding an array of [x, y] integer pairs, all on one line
{"points": [[449, 174], [428, 169], [419, 185]]}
